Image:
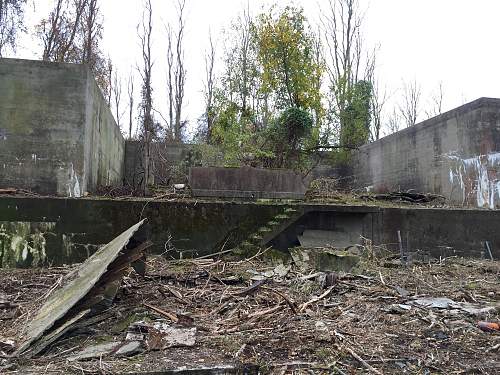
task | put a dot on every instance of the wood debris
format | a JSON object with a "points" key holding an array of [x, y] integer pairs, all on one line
{"points": [[363, 323]]}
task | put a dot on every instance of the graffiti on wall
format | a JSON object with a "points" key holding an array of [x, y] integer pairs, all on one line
{"points": [[476, 179]]}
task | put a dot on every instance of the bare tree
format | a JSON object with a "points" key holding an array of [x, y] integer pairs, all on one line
{"points": [[394, 122], [170, 83], [347, 60], [436, 102], [92, 31], [145, 30], [378, 100], [72, 32], [59, 31], [410, 107], [176, 73], [11, 22], [116, 89], [109, 78], [130, 91], [209, 87]]}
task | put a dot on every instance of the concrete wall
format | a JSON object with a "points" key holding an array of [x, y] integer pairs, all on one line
{"points": [[36, 231], [104, 143], [456, 154], [246, 182], [57, 135], [58, 231]]}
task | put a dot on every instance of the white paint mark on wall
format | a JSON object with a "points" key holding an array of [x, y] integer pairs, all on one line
{"points": [[73, 184], [476, 177]]}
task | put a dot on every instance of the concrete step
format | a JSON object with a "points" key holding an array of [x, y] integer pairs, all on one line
{"points": [[264, 230], [272, 223], [256, 238], [246, 247], [282, 217]]}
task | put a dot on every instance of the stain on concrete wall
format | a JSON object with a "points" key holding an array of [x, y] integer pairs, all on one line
{"points": [[454, 154], [476, 179], [23, 244]]}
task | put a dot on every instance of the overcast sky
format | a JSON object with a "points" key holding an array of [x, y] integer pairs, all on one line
{"points": [[450, 41]]}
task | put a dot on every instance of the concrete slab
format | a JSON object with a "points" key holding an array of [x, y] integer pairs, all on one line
{"points": [[74, 287]]}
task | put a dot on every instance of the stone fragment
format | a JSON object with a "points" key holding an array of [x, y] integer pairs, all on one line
{"points": [[129, 348], [95, 351]]}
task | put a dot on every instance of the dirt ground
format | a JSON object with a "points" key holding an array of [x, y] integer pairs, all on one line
{"points": [[379, 319]]}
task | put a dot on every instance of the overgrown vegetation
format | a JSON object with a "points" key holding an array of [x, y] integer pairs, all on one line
{"points": [[270, 107]]}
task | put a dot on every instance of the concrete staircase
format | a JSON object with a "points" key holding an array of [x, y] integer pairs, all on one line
{"points": [[259, 239]]}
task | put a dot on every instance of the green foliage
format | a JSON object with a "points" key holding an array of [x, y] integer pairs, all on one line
{"points": [[286, 53], [356, 117], [267, 108], [288, 136]]}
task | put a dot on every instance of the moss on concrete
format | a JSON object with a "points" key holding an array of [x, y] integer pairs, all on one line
{"points": [[23, 244]]}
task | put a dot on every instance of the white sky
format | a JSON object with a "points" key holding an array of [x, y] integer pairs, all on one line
{"points": [[450, 41]]}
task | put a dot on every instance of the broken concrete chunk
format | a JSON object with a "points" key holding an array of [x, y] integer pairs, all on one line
{"points": [[281, 270], [95, 351], [435, 303], [133, 336], [117, 348], [162, 336], [92, 282], [129, 348], [326, 260]]}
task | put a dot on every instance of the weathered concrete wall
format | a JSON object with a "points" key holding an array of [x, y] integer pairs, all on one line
{"points": [[440, 232], [57, 135], [56, 231], [246, 182], [432, 231], [42, 115], [104, 143], [456, 154], [79, 226]]}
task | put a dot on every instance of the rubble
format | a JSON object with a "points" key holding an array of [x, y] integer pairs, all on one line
{"points": [[381, 320]]}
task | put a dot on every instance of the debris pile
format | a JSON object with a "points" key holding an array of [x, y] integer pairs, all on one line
{"points": [[405, 197], [434, 317], [325, 188]]}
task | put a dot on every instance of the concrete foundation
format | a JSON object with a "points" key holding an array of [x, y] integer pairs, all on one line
{"points": [[57, 231], [57, 134], [456, 154]]}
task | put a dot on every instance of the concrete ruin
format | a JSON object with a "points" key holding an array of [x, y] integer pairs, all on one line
{"points": [[57, 133], [304, 278], [456, 154], [58, 137]]}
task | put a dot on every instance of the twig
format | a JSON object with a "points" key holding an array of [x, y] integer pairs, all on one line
{"points": [[289, 302], [316, 299], [362, 361], [250, 290], [171, 316], [265, 312], [259, 253]]}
